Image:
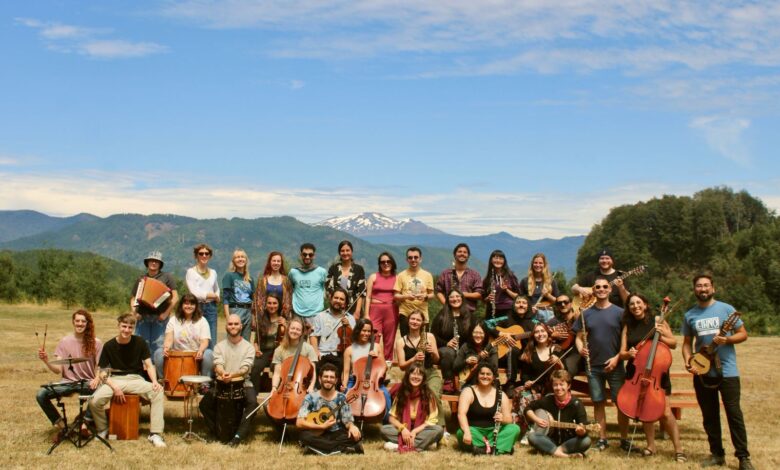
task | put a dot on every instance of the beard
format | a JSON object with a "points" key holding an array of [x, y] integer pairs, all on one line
{"points": [[705, 296]]}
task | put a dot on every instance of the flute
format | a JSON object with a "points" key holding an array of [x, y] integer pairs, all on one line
{"points": [[585, 344]]}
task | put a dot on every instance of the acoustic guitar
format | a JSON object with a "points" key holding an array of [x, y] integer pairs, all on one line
{"points": [[551, 423], [516, 332], [703, 359], [468, 372], [581, 302], [320, 416]]}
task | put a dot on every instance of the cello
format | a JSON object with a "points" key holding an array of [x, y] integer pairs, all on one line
{"points": [[365, 397], [286, 399], [641, 397]]}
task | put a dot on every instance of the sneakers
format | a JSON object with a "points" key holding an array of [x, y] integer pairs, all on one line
{"points": [[157, 440], [103, 434], [601, 445], [524, 440], [745, 464], [390, 446], [715, 461]]}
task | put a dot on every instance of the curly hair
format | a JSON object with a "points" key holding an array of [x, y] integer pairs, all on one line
{"points": [[88, 341]]}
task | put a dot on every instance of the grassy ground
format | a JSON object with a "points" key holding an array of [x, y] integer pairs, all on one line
{"points": [[26, 434]]}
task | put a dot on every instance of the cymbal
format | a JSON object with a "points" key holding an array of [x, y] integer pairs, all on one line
{"points": [[68, 361]]}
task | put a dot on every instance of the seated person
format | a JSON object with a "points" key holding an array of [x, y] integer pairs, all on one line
{"points": [[563, 408], [128, 355], [76, 378], [287, 348], [360, 348], [483, 409], [413, 416], [473, 351], [188, 331], [233, 357], [338, 433]]}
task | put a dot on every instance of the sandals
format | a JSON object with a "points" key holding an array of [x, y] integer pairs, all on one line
{"points": [[680, 457], [647, 452]]}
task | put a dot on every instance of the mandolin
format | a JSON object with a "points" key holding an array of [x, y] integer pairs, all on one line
{"points": [[581, 302], [702, 360], [517, 333], [320, 416], [551, 423], [465, 375]]}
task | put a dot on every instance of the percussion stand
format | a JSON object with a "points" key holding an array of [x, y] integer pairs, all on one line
{"points": [[64, 433], [190, 402], [90, 425]]}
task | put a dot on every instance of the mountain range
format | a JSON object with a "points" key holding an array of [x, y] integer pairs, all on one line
{"points": [[129, 237]]}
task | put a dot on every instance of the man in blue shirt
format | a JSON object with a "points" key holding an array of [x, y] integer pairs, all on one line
{"points": [[308, 282], [703, 323]]}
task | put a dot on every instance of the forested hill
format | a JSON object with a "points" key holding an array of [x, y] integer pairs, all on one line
{"points": [[732, 235]]}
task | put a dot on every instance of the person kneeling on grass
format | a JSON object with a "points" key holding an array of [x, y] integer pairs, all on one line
{"points": [[481, 411], [563, 408], [338, 432], [413, 416]]}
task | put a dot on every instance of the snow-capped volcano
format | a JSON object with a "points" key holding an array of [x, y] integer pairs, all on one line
{"points": [[373, 223]]}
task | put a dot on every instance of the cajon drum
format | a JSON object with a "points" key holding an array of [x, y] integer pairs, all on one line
{"points": [[123, 418]]}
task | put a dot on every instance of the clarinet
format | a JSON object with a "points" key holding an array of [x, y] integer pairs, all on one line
{"points": [[455, 282], [497, 425], [423, 343], [585, 343], [493, 291], [455, 332]]}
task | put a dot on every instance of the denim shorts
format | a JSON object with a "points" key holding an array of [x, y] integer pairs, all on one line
{"points": [[597, 382]]}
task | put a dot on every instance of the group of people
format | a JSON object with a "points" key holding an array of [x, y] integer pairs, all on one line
{"points": [[531, 329]]}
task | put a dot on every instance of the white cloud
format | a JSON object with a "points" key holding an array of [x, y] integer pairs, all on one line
{"points": [[86, 41], [724, 135], [8, 161]]}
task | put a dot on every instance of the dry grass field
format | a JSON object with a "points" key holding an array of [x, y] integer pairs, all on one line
{"points": [[25, 435]]}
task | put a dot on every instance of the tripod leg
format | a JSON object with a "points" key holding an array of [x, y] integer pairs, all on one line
{"points": [[284, 430]]}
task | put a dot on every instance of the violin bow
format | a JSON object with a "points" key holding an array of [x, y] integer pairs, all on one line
{"points": [[346, 311], [533, 382]]}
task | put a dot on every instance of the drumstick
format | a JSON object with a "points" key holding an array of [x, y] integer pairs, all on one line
{"points": [[38, 339], [45, 330]]}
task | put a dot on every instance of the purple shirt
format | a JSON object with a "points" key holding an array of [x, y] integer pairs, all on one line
{"points": [[470, 281]]}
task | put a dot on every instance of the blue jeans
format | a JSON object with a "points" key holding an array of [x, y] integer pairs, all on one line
{"points": [[210, 314], [152, 331], [544, 444], [46, 395], [206, 365], [597, 382]]}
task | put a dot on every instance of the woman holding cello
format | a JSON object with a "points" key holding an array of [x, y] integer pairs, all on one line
{"points": [[637, 335], [294, 371], [364, 345], [268, 335]]}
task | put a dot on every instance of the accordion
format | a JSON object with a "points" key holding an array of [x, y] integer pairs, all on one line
{"points": [[151, 292]]}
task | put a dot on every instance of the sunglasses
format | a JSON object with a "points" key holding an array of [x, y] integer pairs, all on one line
{"points": [[307, 255], [385, 261], [563, 302], [412, 257], [600, 287], [204, 253]]}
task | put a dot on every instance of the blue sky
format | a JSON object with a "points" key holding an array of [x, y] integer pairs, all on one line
{"points": [[532, 117]]}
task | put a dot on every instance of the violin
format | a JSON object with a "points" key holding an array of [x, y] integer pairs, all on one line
{"points": [[286, 399], [281, 330], [641, 397], [366, 398], [345, 336]]}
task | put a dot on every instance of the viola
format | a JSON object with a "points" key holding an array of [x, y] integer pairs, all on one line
{"points": [[345, 337], [366, 398], [641, 397], [286, 399]]}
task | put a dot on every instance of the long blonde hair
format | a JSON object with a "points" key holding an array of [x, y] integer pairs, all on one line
{"points": [[546, 276], [233, 268]]}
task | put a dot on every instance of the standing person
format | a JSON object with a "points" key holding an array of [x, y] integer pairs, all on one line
{"points": [[129, 356], [187, 331], [76, 377], [462, 278], [413, 415], [451, 321], [328, 328], [477, 349], [603, 323], [381, 309], [274, 280], [564, 408], [480, 414], [539, 286], [237, 290], [606, 270], [202, 282], [499, 287], [269, 322], [338, 433], [233, 357], [638, 326], [561, 325], [151, 321], [360, 348], [308, 281], [702, 323], [413, 287], [350, 276]]}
